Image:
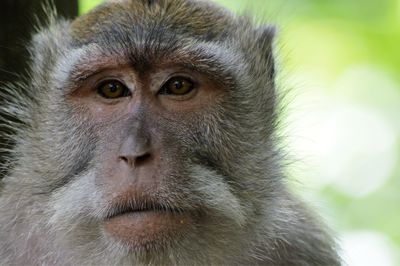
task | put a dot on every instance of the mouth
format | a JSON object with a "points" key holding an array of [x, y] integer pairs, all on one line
{"points": [[145, 224], [134, 208]]}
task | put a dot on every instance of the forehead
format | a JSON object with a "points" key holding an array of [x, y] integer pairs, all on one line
{"points": [[159, 20], [147, 33]]}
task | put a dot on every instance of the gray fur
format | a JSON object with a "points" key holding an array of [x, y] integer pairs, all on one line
{"points": [[229, 163]]}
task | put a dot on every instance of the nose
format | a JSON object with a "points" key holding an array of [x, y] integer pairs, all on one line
{"points": [[135, 150]]}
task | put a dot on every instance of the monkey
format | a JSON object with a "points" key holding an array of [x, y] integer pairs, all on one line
{"points": [[148, 136]]}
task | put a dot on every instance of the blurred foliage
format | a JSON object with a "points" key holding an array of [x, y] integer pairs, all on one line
{"points": [[342, 57]]}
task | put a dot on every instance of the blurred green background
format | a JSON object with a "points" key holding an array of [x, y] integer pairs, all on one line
{"points": [[340, 63]]}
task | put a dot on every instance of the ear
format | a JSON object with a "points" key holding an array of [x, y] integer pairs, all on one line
{"points": [[266, 33], [265, 38], [46, 47]]}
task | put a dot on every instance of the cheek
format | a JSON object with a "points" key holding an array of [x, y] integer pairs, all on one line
{"points": [[70, 149], [100, 114]]}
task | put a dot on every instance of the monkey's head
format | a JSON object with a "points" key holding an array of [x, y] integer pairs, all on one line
{"points": [[151, 131]]}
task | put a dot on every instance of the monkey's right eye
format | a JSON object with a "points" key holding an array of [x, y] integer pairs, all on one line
{"points": [[112, 89]]}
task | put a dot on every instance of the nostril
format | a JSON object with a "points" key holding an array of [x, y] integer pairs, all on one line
{"points": [[136, 160], [135, 149], [142, 159], [125, 159]]}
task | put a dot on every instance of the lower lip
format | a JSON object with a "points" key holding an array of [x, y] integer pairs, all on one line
{"points": [[147, 228]]}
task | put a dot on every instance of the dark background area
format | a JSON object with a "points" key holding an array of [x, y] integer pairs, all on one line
{"points": [[18, 19]]}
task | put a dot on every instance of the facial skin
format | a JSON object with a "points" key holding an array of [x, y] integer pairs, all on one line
{"points": [[139, 150], [149, 138]]}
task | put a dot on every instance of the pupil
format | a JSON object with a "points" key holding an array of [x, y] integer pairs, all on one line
{"points": [[178, 85], [112, 87]]}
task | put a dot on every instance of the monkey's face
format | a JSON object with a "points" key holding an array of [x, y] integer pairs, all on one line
{"points": [[164, 152], [146, 126]]}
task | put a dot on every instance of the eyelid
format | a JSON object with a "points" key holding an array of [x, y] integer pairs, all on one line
{"points": [[104, 80]]}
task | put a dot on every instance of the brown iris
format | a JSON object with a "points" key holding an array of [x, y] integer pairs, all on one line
{"points": [[113, 89], [177, 86]]}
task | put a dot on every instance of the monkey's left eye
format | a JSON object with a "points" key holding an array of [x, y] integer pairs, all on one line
{"points": [[178, 86], [112, 89]]}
